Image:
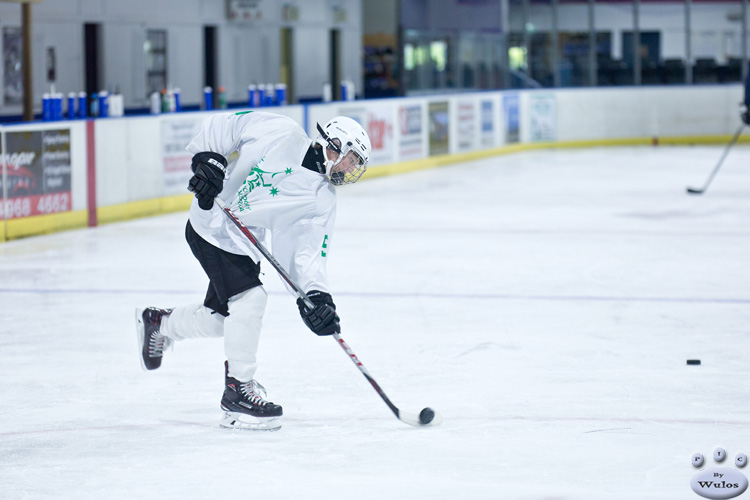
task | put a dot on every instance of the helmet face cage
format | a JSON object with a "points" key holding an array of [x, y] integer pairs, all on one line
{"points": [[352, 151], [348, 167]]}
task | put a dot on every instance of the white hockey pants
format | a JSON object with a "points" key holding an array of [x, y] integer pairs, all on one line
{"points": [[241, 329]]}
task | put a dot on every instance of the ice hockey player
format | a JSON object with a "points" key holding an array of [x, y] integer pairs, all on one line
{"points": [[745, 111], [280, 184]]}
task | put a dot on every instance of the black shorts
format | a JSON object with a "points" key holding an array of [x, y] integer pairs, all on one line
{"points": [[229, 274]]}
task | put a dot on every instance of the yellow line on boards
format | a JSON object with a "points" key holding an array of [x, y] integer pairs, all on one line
{"points": [[43, 224], [143, 208], [437, 161]]}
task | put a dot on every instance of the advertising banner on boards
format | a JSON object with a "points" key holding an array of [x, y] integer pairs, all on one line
{"points": [[543, 116], [378, 122], [37, 173], [176, 134], [439, 122], [511, 110], [487, 124], [411, 142], [466, 124]]}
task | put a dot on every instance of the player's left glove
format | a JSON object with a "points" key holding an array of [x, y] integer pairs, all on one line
{"points": [[207, 182], [322, 319]]}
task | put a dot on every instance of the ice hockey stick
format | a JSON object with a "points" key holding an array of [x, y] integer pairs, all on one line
{"points": [[716, 169]]}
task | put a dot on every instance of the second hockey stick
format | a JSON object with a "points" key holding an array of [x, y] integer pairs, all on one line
{"points": [[426, 417], [718, 166]]}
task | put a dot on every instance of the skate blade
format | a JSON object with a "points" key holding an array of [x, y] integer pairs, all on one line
{"points": [[140, 332], [240, 421]]}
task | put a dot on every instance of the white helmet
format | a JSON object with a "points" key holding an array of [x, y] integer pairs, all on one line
{"points": [[349, 140]]}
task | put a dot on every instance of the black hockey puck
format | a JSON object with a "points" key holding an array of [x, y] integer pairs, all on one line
{"points": [[426, 416], [693, 361]]}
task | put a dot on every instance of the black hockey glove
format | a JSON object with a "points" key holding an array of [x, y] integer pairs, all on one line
{"points": [[745, 114], [208, 179], [322, 319]]}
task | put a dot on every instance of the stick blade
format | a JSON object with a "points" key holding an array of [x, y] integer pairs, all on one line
{"points": [[418, 420], [695, 191]]}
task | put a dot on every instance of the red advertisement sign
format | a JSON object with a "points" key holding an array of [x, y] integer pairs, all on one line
{"points": [[36, 173]]}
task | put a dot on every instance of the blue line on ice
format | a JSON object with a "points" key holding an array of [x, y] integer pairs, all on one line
{"points": [[387, 295]]}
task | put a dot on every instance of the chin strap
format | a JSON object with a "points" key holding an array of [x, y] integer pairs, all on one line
{"points": [[328, 140]]}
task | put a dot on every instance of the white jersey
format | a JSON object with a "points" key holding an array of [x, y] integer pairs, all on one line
{"points": [[288, 208]]}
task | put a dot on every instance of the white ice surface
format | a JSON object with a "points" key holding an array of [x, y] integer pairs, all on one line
{"points": [[544, 303]]}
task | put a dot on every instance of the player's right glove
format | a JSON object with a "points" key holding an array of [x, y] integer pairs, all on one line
{"points": [[745, 114], [207, 182], [322, 319]]}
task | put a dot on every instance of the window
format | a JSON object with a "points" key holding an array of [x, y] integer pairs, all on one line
{"points": [[12, 76], [155, 49]]}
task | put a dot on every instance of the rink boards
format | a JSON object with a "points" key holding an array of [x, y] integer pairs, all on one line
{"points": [[70, 174]]}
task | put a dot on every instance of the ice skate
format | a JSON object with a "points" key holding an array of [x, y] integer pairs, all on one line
{"points": [[245, 406], [150, 342]]}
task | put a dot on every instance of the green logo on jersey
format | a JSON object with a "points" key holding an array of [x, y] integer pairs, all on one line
{"points": [[323, 252], [242, 112], [258, 178]]}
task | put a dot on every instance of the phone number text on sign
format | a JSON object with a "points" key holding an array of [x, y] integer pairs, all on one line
{"points": [[26, 206]]}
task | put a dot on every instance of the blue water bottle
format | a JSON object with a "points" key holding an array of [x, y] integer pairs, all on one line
{"points": [[71, 105], [56, 106], [94, 104], [82, 105], [46, 107], [103, 104], [208, 97], [269, 95], [281, 94], [251, 92], [177, 103]]}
